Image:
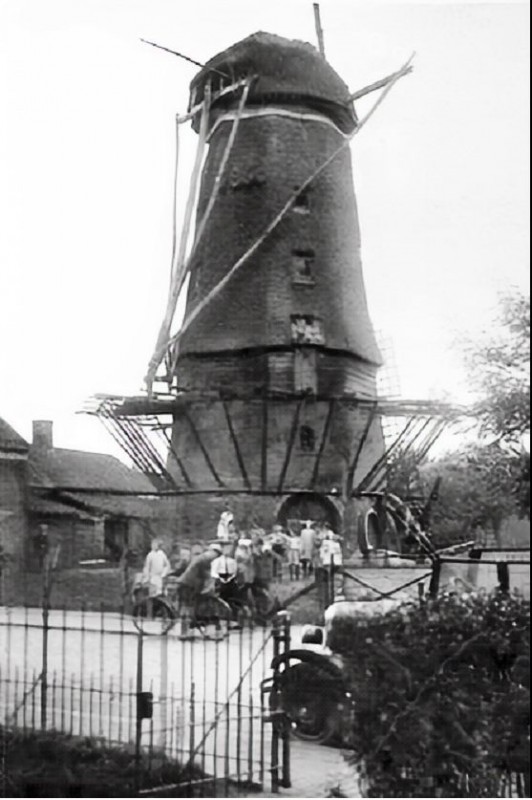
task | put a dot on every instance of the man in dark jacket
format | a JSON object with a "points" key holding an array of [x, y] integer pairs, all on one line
{"points": [[194, 582]]}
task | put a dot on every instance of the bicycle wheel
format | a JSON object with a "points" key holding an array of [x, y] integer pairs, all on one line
{"points": [[153, 616], [211, 617]]}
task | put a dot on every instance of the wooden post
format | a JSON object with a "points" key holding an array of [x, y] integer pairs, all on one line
{"points": [[319, 29], [503, 576], [434, 585]]}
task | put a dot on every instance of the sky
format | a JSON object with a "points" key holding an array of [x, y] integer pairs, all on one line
{"points": [[86, 182]]}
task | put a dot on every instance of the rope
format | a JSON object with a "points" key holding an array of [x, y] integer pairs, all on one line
{"points": [[278, 218]]}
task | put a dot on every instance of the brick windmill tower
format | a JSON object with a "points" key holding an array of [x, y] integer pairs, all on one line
{"points": [[271, 405], [275, 367]]}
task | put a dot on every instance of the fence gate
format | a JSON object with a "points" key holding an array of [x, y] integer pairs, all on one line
{"points": [[200, 704]]}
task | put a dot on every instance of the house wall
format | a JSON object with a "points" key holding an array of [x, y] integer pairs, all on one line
{"points": [[13, 525], [77, 540]]}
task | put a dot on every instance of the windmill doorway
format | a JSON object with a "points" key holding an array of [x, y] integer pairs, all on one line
{"points": [[298, 508]]}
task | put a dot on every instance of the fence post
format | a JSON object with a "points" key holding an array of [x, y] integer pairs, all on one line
{"points": [[274, 757], [45, 628], [138, 711], [331, 580], [286, 641], [503, 576], [434, 585], [163, 693]]}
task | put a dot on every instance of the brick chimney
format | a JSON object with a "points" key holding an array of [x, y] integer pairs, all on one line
{"points": [[43, 439]]}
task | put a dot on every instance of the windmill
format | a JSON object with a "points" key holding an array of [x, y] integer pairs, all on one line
{"points": [[270, 401]]}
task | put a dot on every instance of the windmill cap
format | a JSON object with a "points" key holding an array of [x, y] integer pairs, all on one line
{"points": [[284, 70]]}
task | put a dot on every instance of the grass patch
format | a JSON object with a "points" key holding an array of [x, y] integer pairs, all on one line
{"points": [[52, 764]]}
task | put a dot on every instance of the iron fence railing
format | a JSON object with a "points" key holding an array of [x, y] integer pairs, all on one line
{"points": [[197, 701]]}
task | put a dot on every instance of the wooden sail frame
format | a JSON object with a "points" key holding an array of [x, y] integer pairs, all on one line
{"points": [[135, 423]]}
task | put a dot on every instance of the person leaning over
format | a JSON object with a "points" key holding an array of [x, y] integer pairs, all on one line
{"points": [[224, 572], [195, 582]]}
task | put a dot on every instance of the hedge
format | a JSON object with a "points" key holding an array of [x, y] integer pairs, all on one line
{"points": [[441, 695]]}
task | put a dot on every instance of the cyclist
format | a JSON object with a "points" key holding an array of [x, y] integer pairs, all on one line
{"points": [[224, 572], [265, 562], [196, 581]]}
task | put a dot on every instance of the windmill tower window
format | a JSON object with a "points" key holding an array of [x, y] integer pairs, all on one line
{"points": [[306, 329], [303, 268], [307, 439], [301, 202], [305, 370]]}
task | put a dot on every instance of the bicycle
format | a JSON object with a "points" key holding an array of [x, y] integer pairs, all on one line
{"points": [[230, 605], [206, 613]]}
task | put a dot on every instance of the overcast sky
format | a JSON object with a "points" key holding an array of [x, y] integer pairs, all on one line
{"points": [[86, 175]]}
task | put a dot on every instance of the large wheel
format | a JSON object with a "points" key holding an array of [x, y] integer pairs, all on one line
{"points": [[368, 533], [306, 696], [212, 616], [153, 616]]}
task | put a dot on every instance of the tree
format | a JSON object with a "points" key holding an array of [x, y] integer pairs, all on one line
{"points": [[487, 481], [499, 369], [480, 486]]}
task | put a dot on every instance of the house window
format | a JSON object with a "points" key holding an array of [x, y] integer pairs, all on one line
{"points": [[303, 267], [307, 439], [115, 539], [306, 329]]}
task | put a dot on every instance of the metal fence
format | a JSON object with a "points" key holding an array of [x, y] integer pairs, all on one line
{"points": [[197, 703]]}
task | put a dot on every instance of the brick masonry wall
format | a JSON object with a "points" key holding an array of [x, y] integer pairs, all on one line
{"points": [[271, 157], [13, 501], [304, 280], [77, 540]]}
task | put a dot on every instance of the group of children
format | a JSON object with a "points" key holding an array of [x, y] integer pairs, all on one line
{"points": [[254, 559]]}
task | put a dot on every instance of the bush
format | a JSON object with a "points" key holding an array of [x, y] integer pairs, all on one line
{"points": [[52, 764], [440, 695]]}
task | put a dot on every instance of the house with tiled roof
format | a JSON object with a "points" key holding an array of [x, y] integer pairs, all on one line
{"points": [[90, 505]]}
